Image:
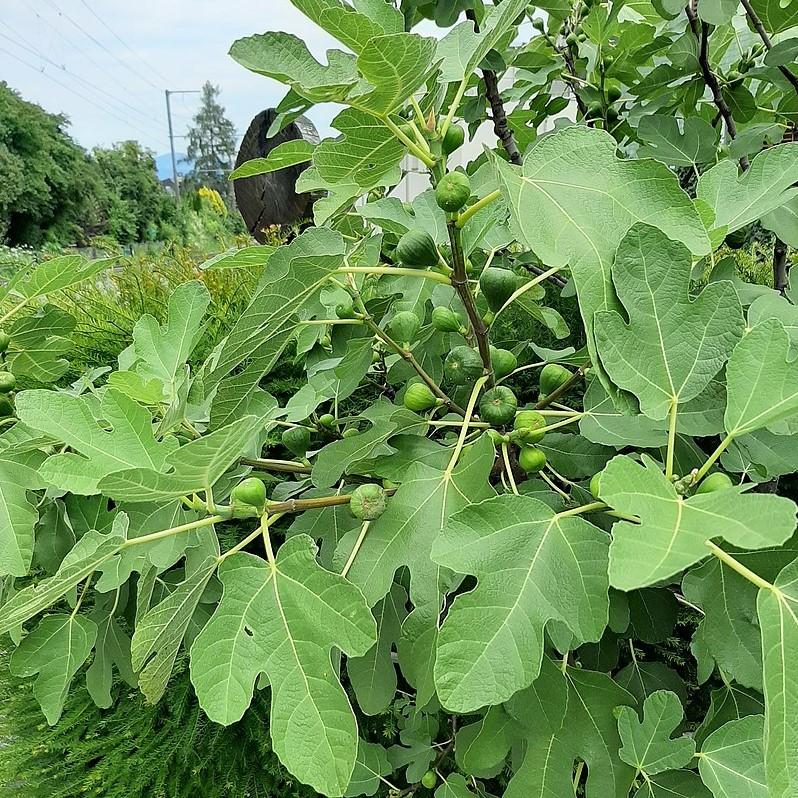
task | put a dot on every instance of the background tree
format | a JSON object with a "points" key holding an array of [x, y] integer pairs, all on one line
{"points": [[53, 191], [135, 203], [211, 143], [49, 186]]}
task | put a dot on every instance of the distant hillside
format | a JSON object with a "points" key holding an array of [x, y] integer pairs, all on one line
{"points": [[163, 165]]}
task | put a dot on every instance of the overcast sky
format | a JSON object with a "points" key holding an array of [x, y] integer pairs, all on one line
{"points": [[120, 55]]}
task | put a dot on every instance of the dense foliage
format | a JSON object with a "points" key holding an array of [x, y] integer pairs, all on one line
{"points": [[53, 191], [562, 569], [138, 750]]}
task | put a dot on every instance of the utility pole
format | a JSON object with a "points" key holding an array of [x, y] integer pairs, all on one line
{"points": [[175, 179]]}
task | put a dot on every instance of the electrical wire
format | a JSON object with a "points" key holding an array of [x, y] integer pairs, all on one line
{"points": [[61, 35], [37, 54], [133, 52], [102, 46], [102, 69], [69, 88]]}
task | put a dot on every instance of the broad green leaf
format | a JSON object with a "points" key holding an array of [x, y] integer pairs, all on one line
{"points": [[731, 760], [289, 153], [388, 213], [373, 676], [718, 12], [739, 199], [762, 454], [54, 538], [394, 66], [336, 382], [741, 102], [761, 381], [703, 415], [164, 349], [728, 702], [283, 619], [403, 535], [335, 197], [362, 155], [88, 554], [533, 566], [191, 468], [111, 649], [389, 18], [89, 512], [574, 456], [672, 346], [286, 58], [408, 449], [462, 49], [776, 15], [778, 618], [648, 745], [293, 277], [643, 679], [604, 424], [672, 532], [245, 258], [453, 786], [326, 525], [371, 764], [38, 343], [754, 138], [416, 651], [55, 650], [674, 784], [98, 452], [160, 632], [729, 600], [774, 306], [782, 54], [141, 390], [337, 458], [691, 143], [416, 754], [18, 516], [480, 748], [784, 222], [340, 20], [239, 396], [163, 553], [57, 274], [574, 200], [587, 730]]}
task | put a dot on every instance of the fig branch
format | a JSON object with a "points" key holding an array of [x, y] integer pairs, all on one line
{"points": [[563, 389], [265, 464], [405, 354], [500, 125], [763, 34], [780, 264], [459, 281], [701, 32]]}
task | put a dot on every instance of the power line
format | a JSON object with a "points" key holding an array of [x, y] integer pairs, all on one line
{"points": [[32, 51], [113, 33], [61, 35], [74, 91], [75, 47], [102, 46]]}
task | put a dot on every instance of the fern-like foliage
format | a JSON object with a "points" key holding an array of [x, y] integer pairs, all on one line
{"points": [[135, 750]]}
